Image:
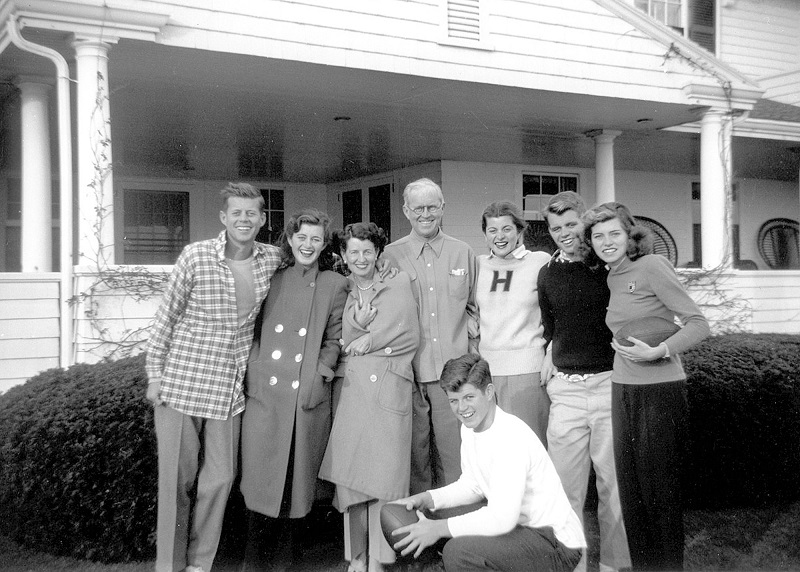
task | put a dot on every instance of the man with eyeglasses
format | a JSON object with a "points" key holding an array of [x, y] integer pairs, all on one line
{"points": [[443, 272]]}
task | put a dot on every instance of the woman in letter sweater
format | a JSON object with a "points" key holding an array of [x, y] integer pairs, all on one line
{"points": [[510, 321]]}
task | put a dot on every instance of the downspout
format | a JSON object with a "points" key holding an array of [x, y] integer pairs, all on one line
{"points": [[65, 187]]}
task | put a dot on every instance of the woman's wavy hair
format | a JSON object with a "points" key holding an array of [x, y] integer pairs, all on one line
{"points": [[311, 217], [504, 208], [640, 240], [362, 231]]}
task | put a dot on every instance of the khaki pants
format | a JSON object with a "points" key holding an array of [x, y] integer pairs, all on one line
{"points": [[197, 464], [580, 436]]}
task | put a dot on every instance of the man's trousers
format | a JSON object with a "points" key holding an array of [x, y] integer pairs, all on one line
{"points": [[580, 436], [197, 464]]}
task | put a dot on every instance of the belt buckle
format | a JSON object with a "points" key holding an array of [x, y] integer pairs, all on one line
{"points": [[576, 377]]}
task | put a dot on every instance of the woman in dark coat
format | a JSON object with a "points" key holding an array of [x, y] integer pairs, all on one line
{"points": [[369, 452], [288, 409]]}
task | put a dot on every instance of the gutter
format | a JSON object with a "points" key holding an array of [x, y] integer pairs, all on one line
{"points": [[13, 34]]}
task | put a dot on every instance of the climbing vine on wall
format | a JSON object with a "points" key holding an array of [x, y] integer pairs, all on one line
{"points": [[106, 290]]}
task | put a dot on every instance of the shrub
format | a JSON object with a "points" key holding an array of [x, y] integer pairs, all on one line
{"points": [[78, 472], [78, 469], [744, 429]]}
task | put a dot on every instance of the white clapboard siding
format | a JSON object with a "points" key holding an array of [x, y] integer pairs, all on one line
{"points": [[29, 326], [784, 88], [774, 297], [541, 44], [759, 37]]}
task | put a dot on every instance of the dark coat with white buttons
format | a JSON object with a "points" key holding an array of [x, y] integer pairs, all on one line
{"points": [[288, 389]]}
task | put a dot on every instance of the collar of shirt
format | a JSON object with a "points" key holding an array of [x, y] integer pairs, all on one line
{"points": [[259, 249], [519, 253], [436, 243], [562, 257]]}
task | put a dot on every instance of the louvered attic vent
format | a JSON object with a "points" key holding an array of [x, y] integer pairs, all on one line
{"points": [[463, 20]]}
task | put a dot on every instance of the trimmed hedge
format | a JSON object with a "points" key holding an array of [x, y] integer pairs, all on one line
{"points": [[744, 430], [78, 471]]}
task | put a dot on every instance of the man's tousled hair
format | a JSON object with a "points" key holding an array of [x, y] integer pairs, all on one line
{"points": [[469, 368]]}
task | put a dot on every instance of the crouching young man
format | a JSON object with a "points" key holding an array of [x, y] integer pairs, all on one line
{"points": [[527, 522]]}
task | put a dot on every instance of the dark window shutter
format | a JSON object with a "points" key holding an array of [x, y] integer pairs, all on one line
{"points": [[702, 29]]}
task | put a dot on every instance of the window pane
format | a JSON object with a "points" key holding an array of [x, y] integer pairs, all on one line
{"points": [[549, 185], [658, 11], [674, 16], [569, 184], [156, 226], [531, 185], [276, 199]]}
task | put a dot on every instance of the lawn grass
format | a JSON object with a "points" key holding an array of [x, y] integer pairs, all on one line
{"points": [[740, 539]]}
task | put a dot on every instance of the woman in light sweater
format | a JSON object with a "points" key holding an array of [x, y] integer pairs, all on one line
{"points": [[649, 407], [510, 320]]}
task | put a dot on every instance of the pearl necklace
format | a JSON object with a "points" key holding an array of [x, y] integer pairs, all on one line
{"points": [[371, 284]]}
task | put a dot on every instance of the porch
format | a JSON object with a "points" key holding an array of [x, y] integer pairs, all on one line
{"points": [[114, 323]]}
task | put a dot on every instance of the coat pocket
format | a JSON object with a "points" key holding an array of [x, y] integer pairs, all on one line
{"points": [[320, 391], [394, 391]]}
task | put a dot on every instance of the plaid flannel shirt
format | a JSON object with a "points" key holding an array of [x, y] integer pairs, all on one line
{"points": [[196, 346]]}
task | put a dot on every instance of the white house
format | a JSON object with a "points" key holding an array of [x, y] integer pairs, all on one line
{"points": [[120, 120]]}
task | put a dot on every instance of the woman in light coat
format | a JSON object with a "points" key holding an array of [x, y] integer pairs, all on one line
{"points": [[369, 451]]}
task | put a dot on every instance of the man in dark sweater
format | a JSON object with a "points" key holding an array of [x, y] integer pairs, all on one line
{"points": [[577, 370]]}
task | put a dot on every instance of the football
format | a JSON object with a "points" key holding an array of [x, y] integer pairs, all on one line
{"points": [[652, 330], [393, 516]]}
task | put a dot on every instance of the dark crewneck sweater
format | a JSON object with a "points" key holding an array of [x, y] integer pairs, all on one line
{"points": [[574, 299]]}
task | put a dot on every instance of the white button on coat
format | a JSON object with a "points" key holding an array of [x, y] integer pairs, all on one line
{"points": [[295, 384], [302, 332], [373, 378], [273, 380], [279, 328], [298, 358], [388, 350], [276, 354]]}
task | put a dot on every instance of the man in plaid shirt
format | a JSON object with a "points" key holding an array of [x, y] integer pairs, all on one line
{"points": [[196, 361]]}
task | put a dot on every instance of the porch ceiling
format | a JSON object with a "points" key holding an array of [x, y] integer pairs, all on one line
{"points": [[175, 109]]}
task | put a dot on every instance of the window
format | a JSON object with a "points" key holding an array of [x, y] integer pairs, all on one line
{"points": [[380, 207], [694, 19], [273, 205], [537, 188], [665, 11], [156, 226]]}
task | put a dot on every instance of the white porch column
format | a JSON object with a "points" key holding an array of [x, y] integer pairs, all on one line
{"points": [[93, 135], [37, 206], [715, 166], [604, 163]]}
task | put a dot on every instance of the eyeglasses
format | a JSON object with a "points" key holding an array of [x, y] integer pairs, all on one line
{"points": [[432, 209]]}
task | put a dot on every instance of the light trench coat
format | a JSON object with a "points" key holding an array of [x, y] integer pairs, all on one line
{"points": [[369, 450]]}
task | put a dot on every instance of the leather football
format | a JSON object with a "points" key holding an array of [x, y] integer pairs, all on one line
{"points": [[652, 330], [394, 516]]}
